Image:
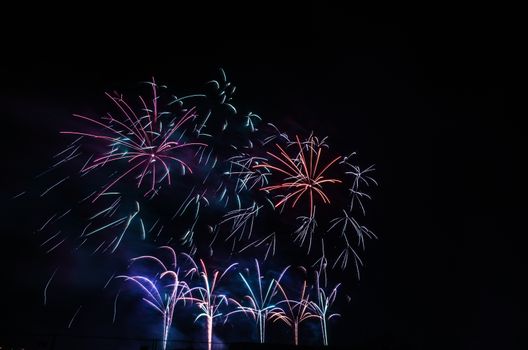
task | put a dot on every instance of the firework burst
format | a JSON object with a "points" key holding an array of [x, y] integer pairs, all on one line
{"points": [[148, 141], [303, 175]]}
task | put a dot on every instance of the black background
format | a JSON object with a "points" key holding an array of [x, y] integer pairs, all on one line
{"points": [[419, 91]]}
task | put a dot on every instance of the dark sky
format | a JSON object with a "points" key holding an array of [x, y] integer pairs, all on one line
{"points": [[419, 92]]}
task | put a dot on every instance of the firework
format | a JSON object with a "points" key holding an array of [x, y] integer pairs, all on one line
{"points": [[144, 140], [206, 297], [321, 306], [295, 311], [303, 174], [164, 297], [260, 300], [298, 173]]}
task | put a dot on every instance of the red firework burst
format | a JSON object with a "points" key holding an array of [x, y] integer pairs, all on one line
{"points": [[144, 142], [303, 171]]}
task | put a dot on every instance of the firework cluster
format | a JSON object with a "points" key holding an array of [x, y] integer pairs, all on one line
{"points": [[208, 183], [185, 284]]}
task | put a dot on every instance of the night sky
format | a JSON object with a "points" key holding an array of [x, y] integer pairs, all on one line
{"points": [[420, 95]]}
